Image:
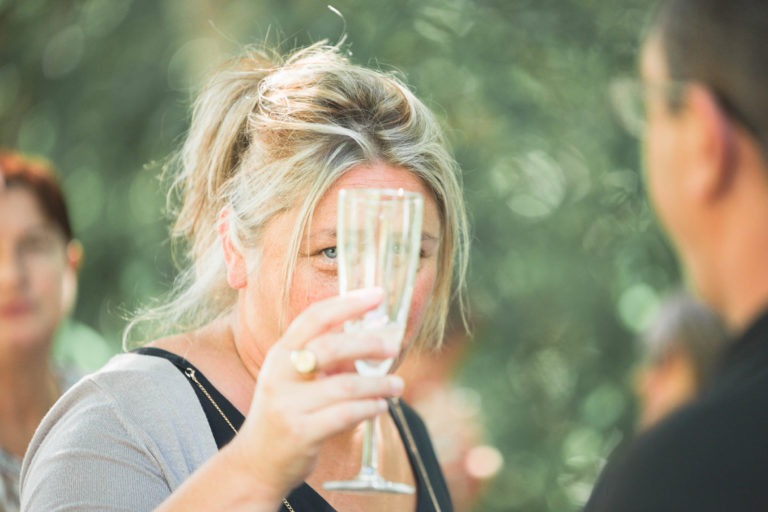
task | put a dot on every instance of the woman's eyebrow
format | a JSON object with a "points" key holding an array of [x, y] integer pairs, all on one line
{"points": [[329, 232], [41, 228], [323, 235]]}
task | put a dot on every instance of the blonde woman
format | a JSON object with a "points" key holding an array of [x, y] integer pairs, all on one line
{"points": [[214, 415]]}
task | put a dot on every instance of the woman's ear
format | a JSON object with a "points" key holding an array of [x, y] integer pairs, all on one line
{"points": [[74, 255], [74, 258], [237, 277]]}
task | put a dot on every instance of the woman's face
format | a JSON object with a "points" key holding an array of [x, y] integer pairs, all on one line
{"points": [[33, 269], [315, 276]]}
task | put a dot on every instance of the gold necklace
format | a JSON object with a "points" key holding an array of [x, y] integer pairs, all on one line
{"points": [[190, 372]]}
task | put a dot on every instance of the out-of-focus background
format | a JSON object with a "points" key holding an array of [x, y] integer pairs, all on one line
{"points": [[567, 262]]}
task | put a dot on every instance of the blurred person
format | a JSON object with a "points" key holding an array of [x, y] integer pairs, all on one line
{"points": [[252, 401], [705, 84], [682, 346], [39, 259], [454, 417]]}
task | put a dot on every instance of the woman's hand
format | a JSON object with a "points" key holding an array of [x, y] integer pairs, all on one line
{"points": [[292, 414]]}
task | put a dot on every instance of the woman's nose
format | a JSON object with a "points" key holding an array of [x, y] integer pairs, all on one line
{"points": [[11, 268]]}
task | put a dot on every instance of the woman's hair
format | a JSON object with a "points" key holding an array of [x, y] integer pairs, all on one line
{"points": [[38, 177], [271, 134]]}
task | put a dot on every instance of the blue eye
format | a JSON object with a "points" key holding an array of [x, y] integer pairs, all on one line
{"points": [[329, 253]]}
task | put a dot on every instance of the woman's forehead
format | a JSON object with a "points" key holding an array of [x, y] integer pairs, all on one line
{"points": [[373, 176], [22, 206]]}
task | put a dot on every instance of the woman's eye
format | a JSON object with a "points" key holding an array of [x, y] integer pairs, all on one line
{"points": [[329, 253], [37, 244]]}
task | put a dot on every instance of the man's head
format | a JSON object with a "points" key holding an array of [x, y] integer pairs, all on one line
{"points": [[705, 74], [721, 45]]}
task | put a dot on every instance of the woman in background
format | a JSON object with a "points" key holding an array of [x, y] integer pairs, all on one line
{"points": [[251, 401], [39, 258], [682, 346]]}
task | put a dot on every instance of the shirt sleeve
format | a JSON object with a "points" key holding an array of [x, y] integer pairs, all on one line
{"points": [[120, 442]]}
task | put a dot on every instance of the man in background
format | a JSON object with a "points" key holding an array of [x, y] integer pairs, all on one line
{"points": [[705, 83]]}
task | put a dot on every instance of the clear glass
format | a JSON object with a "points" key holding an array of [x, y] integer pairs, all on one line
{"points": [[378, 245]]}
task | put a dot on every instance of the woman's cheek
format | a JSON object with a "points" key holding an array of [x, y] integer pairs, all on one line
{"points": [[308, 289], [422, 293]]}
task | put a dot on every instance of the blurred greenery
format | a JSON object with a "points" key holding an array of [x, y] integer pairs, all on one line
{"points": [[567, 262]]}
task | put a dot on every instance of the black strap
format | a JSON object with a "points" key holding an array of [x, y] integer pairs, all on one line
{"points": [[432, 494], [303, 497], [432, 488], [222, 432]]}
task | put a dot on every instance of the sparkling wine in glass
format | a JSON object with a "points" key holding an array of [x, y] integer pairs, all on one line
{"points": [[378, 245]]}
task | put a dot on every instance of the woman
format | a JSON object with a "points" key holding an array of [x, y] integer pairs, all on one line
{"points": [[38, 270], [270, 145], [683, 346]]}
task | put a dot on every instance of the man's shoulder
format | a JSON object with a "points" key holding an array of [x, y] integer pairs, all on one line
{"points": [[710, 455], [722, 428]]}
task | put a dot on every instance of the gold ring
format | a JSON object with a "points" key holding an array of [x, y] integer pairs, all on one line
{"points": [[304, 361]]}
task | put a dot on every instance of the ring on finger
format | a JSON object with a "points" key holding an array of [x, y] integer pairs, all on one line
{"points": [[304, 361]]}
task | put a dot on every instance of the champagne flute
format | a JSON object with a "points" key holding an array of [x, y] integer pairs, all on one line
{"points": [[378, 245]]}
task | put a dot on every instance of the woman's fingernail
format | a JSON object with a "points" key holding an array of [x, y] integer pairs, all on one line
{"points": [[368, 294], [392, 347]]}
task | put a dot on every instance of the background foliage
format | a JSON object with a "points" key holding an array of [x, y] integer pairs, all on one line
{"points": [[567, 261]]}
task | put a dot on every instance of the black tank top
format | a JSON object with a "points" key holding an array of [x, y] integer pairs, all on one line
{"points": [[431, 490]]}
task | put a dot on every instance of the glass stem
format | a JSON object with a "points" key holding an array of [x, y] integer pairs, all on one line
{"points": [[370, 465]]}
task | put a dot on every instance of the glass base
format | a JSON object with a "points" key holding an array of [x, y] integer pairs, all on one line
{"points": [[369, 483]]}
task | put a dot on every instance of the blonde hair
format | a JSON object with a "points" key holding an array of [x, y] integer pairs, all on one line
{"points": [[269, 134]]}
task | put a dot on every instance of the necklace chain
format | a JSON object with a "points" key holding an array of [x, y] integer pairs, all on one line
{"points": [[190, 372]]}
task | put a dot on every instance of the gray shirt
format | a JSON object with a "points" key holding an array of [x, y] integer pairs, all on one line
{"points": [[10, 464], [123, 438]]}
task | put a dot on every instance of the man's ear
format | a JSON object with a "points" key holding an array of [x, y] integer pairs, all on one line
{"points": [[711, 140], [237, 276]]}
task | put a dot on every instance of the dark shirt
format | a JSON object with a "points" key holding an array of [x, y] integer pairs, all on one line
{"points": [[711, 455], [420, 453]]}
